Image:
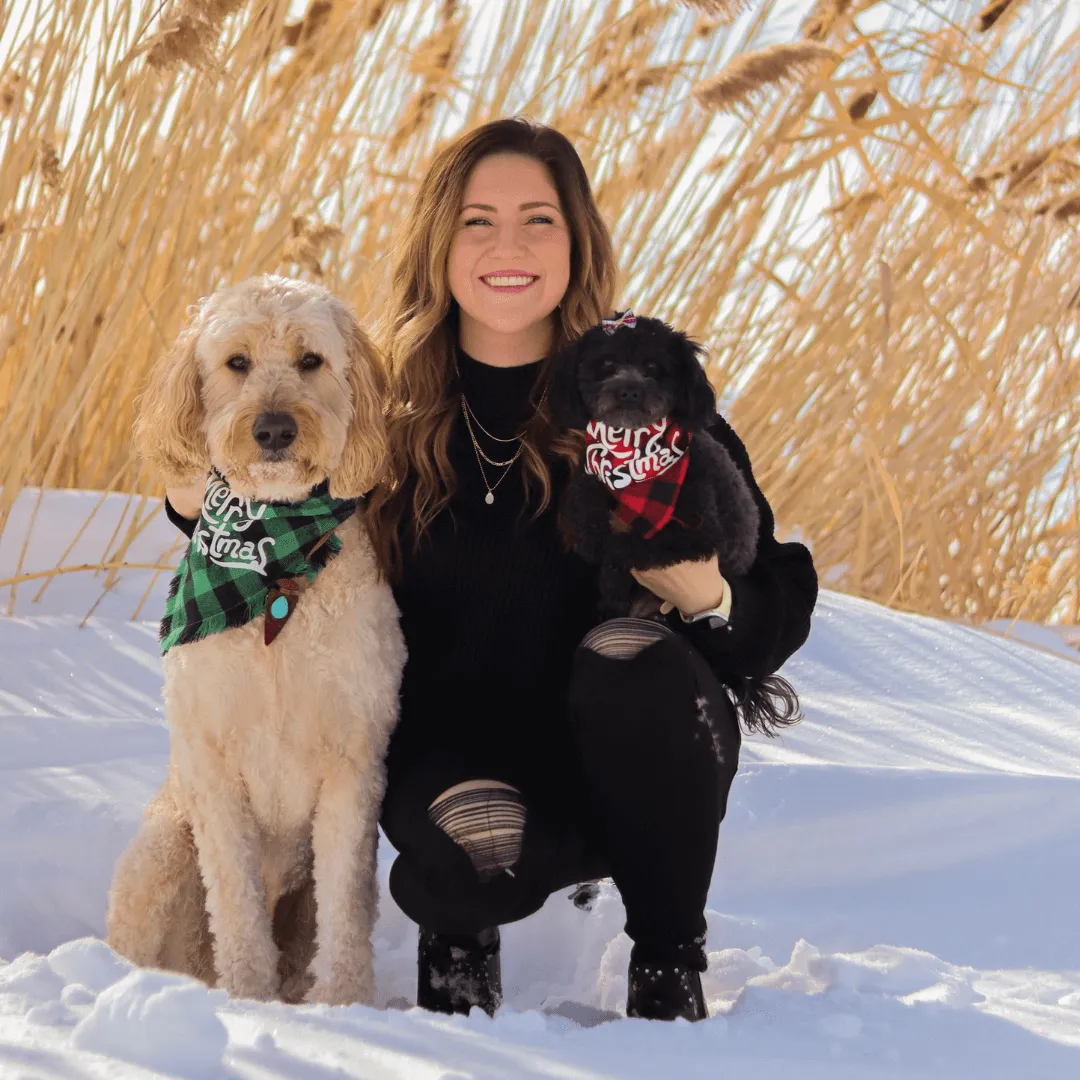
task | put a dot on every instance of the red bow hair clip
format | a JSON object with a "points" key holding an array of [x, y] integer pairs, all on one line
{"points": [[624, 318]]}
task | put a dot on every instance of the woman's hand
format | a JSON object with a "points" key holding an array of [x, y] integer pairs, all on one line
{"points": [[186, 499], [689, 586]]}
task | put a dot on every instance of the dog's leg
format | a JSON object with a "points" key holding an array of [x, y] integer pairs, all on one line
{"points": [[149, 879], [227, 840], [345, 839]]}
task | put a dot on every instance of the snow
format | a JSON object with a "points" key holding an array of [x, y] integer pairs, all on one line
{"points": [[894, 894]]}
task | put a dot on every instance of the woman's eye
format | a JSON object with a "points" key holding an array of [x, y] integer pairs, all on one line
{"points": [[543, 219], [310, 361], [477, 221], [238, 363]]}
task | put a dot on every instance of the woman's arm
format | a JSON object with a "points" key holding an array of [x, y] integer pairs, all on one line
{"points": [[770, 605], [183, 504]]}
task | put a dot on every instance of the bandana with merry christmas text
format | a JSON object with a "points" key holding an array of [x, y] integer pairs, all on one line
{"points": [[247, 556], [644, 468]]}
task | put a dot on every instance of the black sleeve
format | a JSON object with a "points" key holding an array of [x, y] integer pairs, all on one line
{"points": [[184, 524], [770, 604]]}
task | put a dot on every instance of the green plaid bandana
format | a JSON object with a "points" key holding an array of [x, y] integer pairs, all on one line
{"points": [[239, 549]]}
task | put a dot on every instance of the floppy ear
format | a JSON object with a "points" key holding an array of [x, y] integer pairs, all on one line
{"points": [[168, 429], [567, 407], [696, 401], [366, 452]]}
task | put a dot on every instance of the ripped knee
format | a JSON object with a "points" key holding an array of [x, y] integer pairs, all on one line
{"points": [[623, 638], [487, 819]]}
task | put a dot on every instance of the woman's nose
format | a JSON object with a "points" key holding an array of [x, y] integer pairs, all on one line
{"points": [[508, 239]]}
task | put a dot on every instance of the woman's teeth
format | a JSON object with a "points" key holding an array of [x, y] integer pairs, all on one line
{"points": [[506, 282]]}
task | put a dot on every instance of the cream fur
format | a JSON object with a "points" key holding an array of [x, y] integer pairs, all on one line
{"points": [[260, 846]]}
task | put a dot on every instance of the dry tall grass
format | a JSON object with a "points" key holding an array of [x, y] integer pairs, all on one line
{"points": [[880, 251]]}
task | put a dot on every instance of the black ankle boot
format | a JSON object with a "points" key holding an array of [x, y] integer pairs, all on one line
{"points": [[664, 992], [456, 973]]}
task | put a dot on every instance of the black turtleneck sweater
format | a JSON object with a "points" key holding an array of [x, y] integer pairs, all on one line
{"points": [[493, 607]]}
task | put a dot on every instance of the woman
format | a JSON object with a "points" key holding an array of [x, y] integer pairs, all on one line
{"points": [[535, 748]]}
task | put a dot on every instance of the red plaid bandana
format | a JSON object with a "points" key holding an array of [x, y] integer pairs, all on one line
{"points": [[644, 467]]}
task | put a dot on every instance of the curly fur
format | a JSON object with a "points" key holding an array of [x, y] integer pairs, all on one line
{"points": [[194, 409], [255, 865], [715, 502]]}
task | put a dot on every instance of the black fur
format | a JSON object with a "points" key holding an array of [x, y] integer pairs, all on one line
{"points": [[631, 378]]}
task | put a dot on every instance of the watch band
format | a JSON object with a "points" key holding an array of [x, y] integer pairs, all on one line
{"points": [[715, 617]]}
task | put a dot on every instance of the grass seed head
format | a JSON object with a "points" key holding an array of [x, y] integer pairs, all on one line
{"points": [[721, 10], [861, 103], [1070, 208], [214, 12], [823, 15], [11, 89], [992, 12], [182, 39], [48, 163], [750, 73]]}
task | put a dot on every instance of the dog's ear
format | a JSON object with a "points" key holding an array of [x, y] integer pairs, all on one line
{"points": [[567, 406], [168, 429], [366, 452], [696, 401]]}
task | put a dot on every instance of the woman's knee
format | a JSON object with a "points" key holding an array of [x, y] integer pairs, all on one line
{"points": [[486, 818], [623, 639], [640, 672], [666, 689]]}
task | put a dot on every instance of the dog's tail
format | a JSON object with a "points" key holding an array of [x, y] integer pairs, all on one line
{"points": [[767, 704]]}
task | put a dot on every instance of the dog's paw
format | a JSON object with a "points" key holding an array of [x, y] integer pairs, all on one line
{"points": [[137, 951], [342, 989], [296, 987], [253, 975]]}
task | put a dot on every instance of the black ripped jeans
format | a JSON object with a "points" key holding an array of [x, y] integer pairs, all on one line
{"points": [[656, 747]]}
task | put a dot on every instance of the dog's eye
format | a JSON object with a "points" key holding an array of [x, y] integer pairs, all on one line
{"points": [[652, 368], [238, 363], [607, 366], [310, 361]]}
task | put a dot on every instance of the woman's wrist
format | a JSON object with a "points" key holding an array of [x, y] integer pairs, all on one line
{"points": [[186, 499], [721, 608]]}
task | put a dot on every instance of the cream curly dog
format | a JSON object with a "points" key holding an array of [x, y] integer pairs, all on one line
{"points": [[260, 846]]}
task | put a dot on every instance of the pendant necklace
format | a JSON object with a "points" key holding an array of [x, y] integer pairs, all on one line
{"points": [[481, 457], [489, 498]]}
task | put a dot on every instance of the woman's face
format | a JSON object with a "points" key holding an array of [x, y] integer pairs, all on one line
{"points": [[509, 262]]}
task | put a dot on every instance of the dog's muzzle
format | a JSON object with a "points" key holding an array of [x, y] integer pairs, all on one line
{"points": [[629, 402], [275, 432]]}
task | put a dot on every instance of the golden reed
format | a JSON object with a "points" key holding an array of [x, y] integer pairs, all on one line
{"points": [[868, 214]]}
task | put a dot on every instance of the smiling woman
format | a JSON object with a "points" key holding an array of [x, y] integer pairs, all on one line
{"points": [[509, 261], [539, 746]]}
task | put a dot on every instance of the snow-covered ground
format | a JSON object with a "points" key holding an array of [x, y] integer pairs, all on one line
{"points": [[895, 894]]}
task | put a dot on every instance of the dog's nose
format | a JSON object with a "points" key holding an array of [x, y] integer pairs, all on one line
{"points": [[274, 430], [629, 395]]}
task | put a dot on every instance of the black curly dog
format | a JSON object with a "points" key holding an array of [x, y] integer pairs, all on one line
{"points": [[632, 378]]}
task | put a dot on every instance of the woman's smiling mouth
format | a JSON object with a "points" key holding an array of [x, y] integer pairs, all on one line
{"points": [[509, 281]]}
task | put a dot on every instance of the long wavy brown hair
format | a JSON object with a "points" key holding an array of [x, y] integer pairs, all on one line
{"points": [[419, 331]]}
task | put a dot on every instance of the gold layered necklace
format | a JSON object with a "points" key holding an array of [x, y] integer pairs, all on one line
{"points": [[470, 419]]}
